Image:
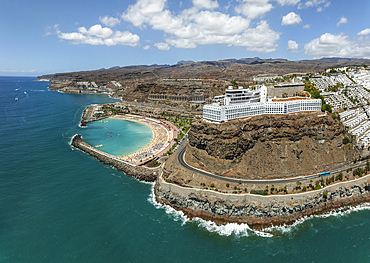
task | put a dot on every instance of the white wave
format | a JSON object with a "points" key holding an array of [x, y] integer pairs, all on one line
{"points": [[335, 212], [70, 141], [243, 229], [223, 230]]}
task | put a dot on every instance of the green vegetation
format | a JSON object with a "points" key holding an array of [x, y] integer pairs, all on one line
{"points": [[360, 171], [315, 94], [258, 192], [234, 83], [339, 177], [227, 185], [212, 185]]}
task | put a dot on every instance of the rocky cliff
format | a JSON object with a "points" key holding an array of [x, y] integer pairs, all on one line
{"points": [[269, 146], [261, 211]]}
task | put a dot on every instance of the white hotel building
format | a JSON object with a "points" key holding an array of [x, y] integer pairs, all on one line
{"points": [[240, 103]]}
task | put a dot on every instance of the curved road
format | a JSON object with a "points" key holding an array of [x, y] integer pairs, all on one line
{"points": [[180, 158]]}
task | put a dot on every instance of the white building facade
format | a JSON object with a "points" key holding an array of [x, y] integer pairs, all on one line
{"points": [[217, 113]]}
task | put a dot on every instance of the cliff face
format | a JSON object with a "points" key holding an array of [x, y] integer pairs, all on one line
{"points": [[269, 146], [261, 211]]}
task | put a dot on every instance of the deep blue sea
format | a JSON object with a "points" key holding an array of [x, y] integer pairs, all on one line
{"points": [[57, 204]]}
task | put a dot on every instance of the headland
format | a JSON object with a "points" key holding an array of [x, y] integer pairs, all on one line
{"points": [[247, 158]]}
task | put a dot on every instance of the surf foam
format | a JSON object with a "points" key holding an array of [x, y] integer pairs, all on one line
{"points": [[242, 230]]}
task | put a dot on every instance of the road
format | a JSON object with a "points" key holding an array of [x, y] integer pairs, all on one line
{"points": [[180, 158]]}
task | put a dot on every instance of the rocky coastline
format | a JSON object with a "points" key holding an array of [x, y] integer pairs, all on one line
{"points": [[257, 211]]}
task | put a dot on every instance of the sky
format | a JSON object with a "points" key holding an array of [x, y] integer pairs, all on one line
{"points": [[41, 37]]}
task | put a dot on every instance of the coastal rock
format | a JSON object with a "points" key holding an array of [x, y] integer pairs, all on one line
{"points": [[260, 212], [269, 146]]}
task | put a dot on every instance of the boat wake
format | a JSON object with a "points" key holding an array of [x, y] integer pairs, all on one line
{"points": [[243, 230]]}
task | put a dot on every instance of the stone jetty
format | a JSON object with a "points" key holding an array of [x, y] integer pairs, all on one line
{"points": [[141, 173]]}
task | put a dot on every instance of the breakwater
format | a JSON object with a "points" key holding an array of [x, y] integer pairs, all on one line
{"points": [[261, 211], [141, 173]]}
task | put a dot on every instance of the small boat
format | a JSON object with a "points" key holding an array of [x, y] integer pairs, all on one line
{"points": [[98, 146], [16, 98]]}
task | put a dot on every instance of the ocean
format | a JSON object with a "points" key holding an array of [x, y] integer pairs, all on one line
{"points": [[57, 204]]}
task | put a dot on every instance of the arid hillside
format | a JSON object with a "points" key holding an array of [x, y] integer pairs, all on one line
{"points": [[269, 146], [140, 81]]}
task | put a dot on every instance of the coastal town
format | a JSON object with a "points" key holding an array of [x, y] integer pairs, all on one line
{"points": [[336, 99]]}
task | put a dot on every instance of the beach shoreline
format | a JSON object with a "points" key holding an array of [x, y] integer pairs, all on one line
{"points": [[163, 138]]}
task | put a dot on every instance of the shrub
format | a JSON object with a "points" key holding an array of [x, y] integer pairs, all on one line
{"points": [[245, 189], [304, 189], [325, 194], [227, 185], [345, 140], [258, 192], [212, 185]]}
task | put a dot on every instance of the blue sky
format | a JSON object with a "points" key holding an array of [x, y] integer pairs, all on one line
{"points": [[39, 37]]}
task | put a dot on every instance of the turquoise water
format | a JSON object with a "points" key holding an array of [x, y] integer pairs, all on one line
{"points": [[58, 204], [117, 137]]}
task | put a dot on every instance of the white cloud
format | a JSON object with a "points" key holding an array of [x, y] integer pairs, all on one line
{"points": [[261, 39], [291, 19], [147, 47], [205, 4], [96, 30], [313, 3], [292, 46], [193, 27], [97, 35], [253, 8], [181, 43], [142, 11], [364, 32], [218, 23], [109, 21], [162, 46], [288, 2], [329, 45], [307, 26], [52, 30], [343, 20]]}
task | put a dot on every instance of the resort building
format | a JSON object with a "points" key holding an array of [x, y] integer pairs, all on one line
{"points": [[241, 103]]}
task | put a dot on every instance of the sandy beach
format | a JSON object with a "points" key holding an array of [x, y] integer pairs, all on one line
{"points": [[162, 137]]}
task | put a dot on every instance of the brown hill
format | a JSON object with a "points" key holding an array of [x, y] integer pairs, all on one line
{"points": [[269, 146], [140, 81]]}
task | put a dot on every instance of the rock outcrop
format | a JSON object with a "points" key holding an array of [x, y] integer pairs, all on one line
{"points": [[270, 146], [260, 211]]}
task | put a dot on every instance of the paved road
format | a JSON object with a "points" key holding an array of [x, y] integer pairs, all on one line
{"points": [[180, 158]]}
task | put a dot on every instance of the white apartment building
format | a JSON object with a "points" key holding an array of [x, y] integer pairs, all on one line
{"points": [[218, 112]]}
